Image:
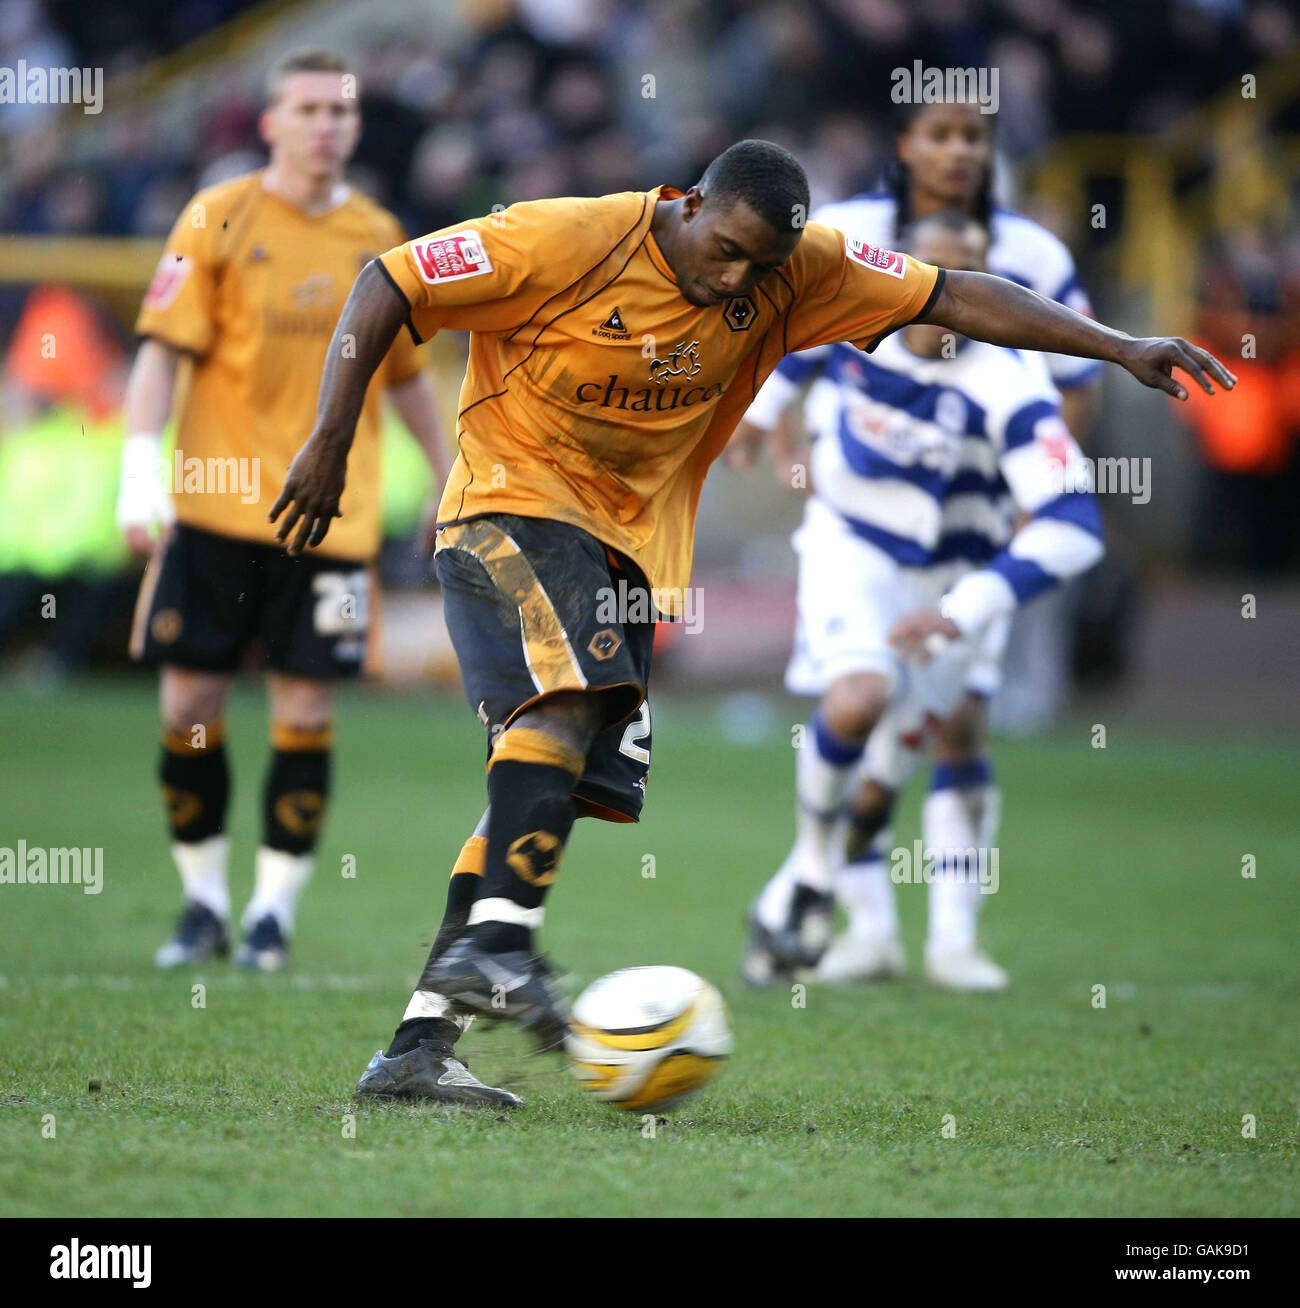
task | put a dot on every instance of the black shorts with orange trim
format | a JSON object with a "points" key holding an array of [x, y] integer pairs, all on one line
{"points": [[205, 599], [535, 607]]}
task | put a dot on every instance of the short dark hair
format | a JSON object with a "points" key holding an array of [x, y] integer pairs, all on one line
{"points": [[957, 221], [306, 59], [769, 179]]}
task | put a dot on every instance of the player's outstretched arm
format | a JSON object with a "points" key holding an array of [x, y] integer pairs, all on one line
{"points": [[992, 309], [371, 318]]}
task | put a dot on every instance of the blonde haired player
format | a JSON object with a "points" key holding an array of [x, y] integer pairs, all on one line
{"points": [[249, 290]]}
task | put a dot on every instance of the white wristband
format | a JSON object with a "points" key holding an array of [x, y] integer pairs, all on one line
{"points": [[142, 496], [977, 599]]}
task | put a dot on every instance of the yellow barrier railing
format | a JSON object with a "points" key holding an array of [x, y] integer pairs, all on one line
{"points": [[1164, 221], [116, 269], [105, 262]]}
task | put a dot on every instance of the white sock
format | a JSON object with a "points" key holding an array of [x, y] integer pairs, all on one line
{"points": [[986, 803], [824, 770], [202, 865], [426, 1003], [280, 878], [866, 893], [960, 818], [773, 906], [506, 910]]}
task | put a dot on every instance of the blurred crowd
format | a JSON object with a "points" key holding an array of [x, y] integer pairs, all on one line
{"points": [[495, 101], [515, 99]]}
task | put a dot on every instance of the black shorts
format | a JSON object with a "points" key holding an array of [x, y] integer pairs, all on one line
{"points": [[206, 597], [535, 607]]}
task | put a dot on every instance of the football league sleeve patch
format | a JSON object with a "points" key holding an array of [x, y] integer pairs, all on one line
{"points": [[178, 306], [857, 292], [463, 279]]}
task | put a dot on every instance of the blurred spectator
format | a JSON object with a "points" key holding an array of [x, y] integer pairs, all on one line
{"points": [[63, 351], [27, 35], [1249, 315], [60, 552]]}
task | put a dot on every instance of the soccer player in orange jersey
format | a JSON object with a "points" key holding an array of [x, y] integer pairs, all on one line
{"points": [[249, 289], [615, 343]]}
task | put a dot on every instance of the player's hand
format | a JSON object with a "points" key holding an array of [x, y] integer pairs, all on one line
{"points": [[743, 448], [923, 634], [429, 525], [311, 494], [149, 542], [792, 471], [139, 540], [1152, 360]]}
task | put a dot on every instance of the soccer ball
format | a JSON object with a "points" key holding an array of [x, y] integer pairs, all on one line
{"points": [[645, 1037]]}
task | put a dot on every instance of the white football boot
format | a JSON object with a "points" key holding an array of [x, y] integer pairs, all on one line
{"points": [[852, 959], [962, 968]]}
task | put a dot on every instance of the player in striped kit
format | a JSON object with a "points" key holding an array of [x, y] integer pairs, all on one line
{"points": [[924, 451], [943, 160]]}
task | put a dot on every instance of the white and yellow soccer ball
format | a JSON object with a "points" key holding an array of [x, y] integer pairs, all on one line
{"points": [[645, 1037]]}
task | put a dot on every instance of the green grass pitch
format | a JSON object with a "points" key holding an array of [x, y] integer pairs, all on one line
{"points": [[1119, 867]]}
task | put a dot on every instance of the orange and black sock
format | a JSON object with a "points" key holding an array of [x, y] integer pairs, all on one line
{"points": [[195, 777], [296, 789], [530, 814], [462, 890]]}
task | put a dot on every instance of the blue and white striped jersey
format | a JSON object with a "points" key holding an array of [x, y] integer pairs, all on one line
{"points": [[927, 459], [1020, 250]]}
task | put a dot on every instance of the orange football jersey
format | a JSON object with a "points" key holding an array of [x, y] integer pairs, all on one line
{"points": [[596, 394], [252, 287]]}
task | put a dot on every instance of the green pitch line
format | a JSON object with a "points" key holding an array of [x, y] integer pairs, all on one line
{"points": [[1119, 867]]}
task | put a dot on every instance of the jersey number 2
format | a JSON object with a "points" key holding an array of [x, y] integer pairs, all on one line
{"points": [[637, 729], [342, 602]]}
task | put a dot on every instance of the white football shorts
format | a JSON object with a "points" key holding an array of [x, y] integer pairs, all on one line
{"points": [[851, 594]]}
